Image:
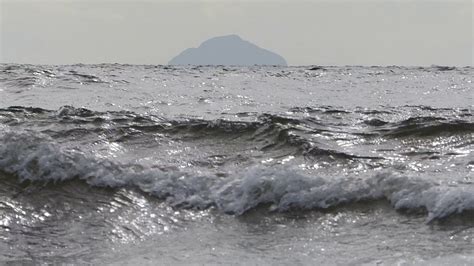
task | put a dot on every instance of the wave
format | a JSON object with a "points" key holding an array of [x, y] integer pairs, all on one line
{"points": [[269, 132], [272, 131], [32, 156], [310, 137], [424, 127]]}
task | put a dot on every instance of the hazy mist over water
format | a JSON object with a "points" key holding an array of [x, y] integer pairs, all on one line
{"points": [[396, 32]]}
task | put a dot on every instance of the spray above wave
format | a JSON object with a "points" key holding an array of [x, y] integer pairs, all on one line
{"points": [[35, 157]]}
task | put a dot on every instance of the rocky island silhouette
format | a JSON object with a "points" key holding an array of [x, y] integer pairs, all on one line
{"points": [[228, 50]]}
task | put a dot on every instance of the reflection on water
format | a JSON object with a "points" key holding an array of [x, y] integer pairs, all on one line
{"points": [[261, 165]]}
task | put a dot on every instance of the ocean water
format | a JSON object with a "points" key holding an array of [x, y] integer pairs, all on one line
{"points": [[137, 165]]}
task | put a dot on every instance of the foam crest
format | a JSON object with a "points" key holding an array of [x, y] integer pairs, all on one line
{"points": [[287, 190], [35, 157]]}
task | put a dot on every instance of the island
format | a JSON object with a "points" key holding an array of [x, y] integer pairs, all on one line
{"points": [[228, 50]]}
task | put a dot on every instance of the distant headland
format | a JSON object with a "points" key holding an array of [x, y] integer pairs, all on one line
{"points": [[228, 50]]}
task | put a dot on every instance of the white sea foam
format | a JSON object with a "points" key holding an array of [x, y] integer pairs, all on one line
{"points": [[36, 157]]}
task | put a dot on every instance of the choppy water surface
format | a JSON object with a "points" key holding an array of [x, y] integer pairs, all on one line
{"points": [[146, 164]]}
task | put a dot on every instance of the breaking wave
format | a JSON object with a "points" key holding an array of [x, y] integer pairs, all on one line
{"points": [[36, 157]]}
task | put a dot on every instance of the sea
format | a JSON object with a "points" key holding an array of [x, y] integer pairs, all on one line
{"points": [[224, 165]]}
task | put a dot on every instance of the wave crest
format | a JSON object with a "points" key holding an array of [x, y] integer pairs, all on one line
{"points": [[35, 157]]}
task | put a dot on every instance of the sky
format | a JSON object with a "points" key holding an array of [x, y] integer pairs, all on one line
{"points": [[317, 32]]}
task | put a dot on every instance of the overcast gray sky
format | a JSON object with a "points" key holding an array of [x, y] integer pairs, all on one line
{"points": [[350, 32]]}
